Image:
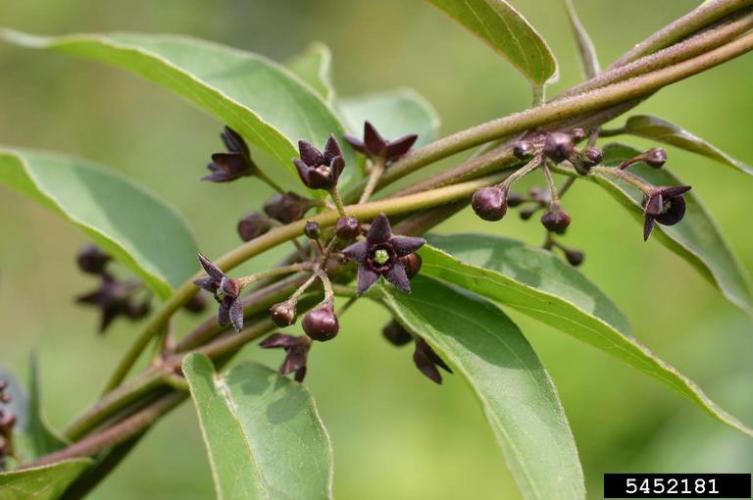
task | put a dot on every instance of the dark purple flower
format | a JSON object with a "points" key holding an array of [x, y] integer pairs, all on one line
{"points": [[93, 260], [287, 207], [114, 298], [226, 292], [296, 353], [380, 253], [320, 170], [375, 146], [427, 360], [664, 205], [234, 164]]}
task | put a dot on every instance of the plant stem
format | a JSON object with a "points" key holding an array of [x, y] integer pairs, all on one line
{"points": [[688, 24], [268, 181], [625, 176], [335, 194], [277, 271], [376, 173]]}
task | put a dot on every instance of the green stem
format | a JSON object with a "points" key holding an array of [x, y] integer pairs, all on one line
{"points": [[376, 174], [335, 194], [625, 176], [268, 181], [277, 271]]}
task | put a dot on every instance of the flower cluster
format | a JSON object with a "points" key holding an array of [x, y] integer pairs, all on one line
{"points": [[317, 169], [379, 149], [226, 292], [235, 163]]}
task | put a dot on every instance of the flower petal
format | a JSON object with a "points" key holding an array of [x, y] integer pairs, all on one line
{"points": [[375, 143], [236, 315], [356, 251], [309, 154], [303, 170], [673, 191], [366, 278], [674, 213], [398, 277], [648, 226], [380, 230], [208, 284], [355, 143], [223, 315], [406, 245], [211, 269], [654, 204], [234, 142], [277, 340], [400, 146], [337, 165], [300, 374], [424, 363], [331, 149]]}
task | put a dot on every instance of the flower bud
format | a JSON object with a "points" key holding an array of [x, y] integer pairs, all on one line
{"points": [[574, 257], [283, 314], [92, 260], [312, 230], [593, 155], [196, 304], [490, 203], [556, 220], [396, 334], [558, 147], [321, 323], [347, 228], [252, 226], [523, 150], [287, 207], [655, 157], [412, 263]]}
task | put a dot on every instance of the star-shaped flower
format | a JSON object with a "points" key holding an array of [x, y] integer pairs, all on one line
{"points": [[296, 353], [375, 146], [226, 292], [664, 205], [234, 164], [114, 298], [320, 170], [427, 361], [380, 253]]}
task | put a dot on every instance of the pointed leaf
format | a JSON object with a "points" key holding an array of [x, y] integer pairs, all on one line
{"points": [[314, 67], [394, 114], [540, 285], [262, 431], [588, 55], [39, 437], [696, 238], [515, 391], [262, 100], [656, 129], [503, 28], [133, 225], [41, 483]]}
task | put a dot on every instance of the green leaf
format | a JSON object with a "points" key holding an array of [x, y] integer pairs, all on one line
{"points": [[39, 437], [540, 285], [589, 57], [696, 238], [395, 113], [134, 226], [515, 391], [314, 67], [41, 483], [262, 100], [262, 431], [498, 24], [651, 127]]}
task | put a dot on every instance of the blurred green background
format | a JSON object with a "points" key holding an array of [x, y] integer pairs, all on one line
{"points": [[395, 434]]}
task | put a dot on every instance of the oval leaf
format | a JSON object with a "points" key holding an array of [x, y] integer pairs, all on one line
{"points": [[262, 100], [498, 24], [394, 114], [656, 129], [41, 483], [515, 391], [314, 67], [696, 238], [139, 230], [262, 431], [540, 285], [588, 56]]}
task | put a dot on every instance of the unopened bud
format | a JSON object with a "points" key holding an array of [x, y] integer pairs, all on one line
{"points": [[490, 203]]}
